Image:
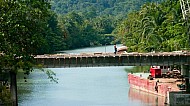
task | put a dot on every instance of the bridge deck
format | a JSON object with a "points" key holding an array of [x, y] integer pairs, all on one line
{"points": [[62, 55], [111, 59]]}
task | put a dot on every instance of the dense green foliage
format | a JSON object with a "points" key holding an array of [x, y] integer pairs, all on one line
{"points": [[87, 23], [157, 27], [93, 8], [24, 30], [81, 32]]}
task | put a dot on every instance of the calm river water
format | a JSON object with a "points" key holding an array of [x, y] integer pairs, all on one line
{"points": [[86, 86]]}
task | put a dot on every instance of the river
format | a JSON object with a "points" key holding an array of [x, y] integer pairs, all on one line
{"points": [[83, 86]]}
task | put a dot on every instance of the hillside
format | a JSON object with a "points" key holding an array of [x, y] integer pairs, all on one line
{"points": [[88, 23], [98, 7]]}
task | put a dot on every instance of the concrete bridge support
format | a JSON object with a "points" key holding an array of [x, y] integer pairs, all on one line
{"points": [[185, 73]]}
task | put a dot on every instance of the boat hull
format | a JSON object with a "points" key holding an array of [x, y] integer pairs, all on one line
{"points": [[147, 85]]}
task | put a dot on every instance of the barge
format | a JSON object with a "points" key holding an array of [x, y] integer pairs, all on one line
{"points": [[172, 88]]}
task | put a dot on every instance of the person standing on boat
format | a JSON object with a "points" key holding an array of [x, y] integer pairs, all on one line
{"points": [[156, 86], [115, 48]]}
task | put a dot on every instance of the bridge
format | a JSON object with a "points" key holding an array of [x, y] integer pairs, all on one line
{"points": [[111, 59]]}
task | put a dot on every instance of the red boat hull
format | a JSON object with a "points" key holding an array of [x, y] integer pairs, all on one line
{"points": [[147, 85]]}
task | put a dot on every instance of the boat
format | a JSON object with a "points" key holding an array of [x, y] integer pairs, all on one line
{"points": [[171, 88]]}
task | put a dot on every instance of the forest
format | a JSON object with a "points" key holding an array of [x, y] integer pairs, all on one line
{"points": [[92, 22], [156, 27], [93, 8]]}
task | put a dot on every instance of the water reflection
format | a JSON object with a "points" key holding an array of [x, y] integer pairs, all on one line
{"points": [[145, 98]]}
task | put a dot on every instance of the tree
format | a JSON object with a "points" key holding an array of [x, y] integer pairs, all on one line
{"points": [[156, 27], [22, 32]]}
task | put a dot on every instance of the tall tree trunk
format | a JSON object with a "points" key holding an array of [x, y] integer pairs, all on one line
{"points": [[13, 88]]}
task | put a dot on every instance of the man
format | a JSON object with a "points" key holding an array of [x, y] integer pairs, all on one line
{"points": [[115, 48]]}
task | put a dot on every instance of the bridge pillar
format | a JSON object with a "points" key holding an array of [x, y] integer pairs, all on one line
{"points": [[185, 73]]}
